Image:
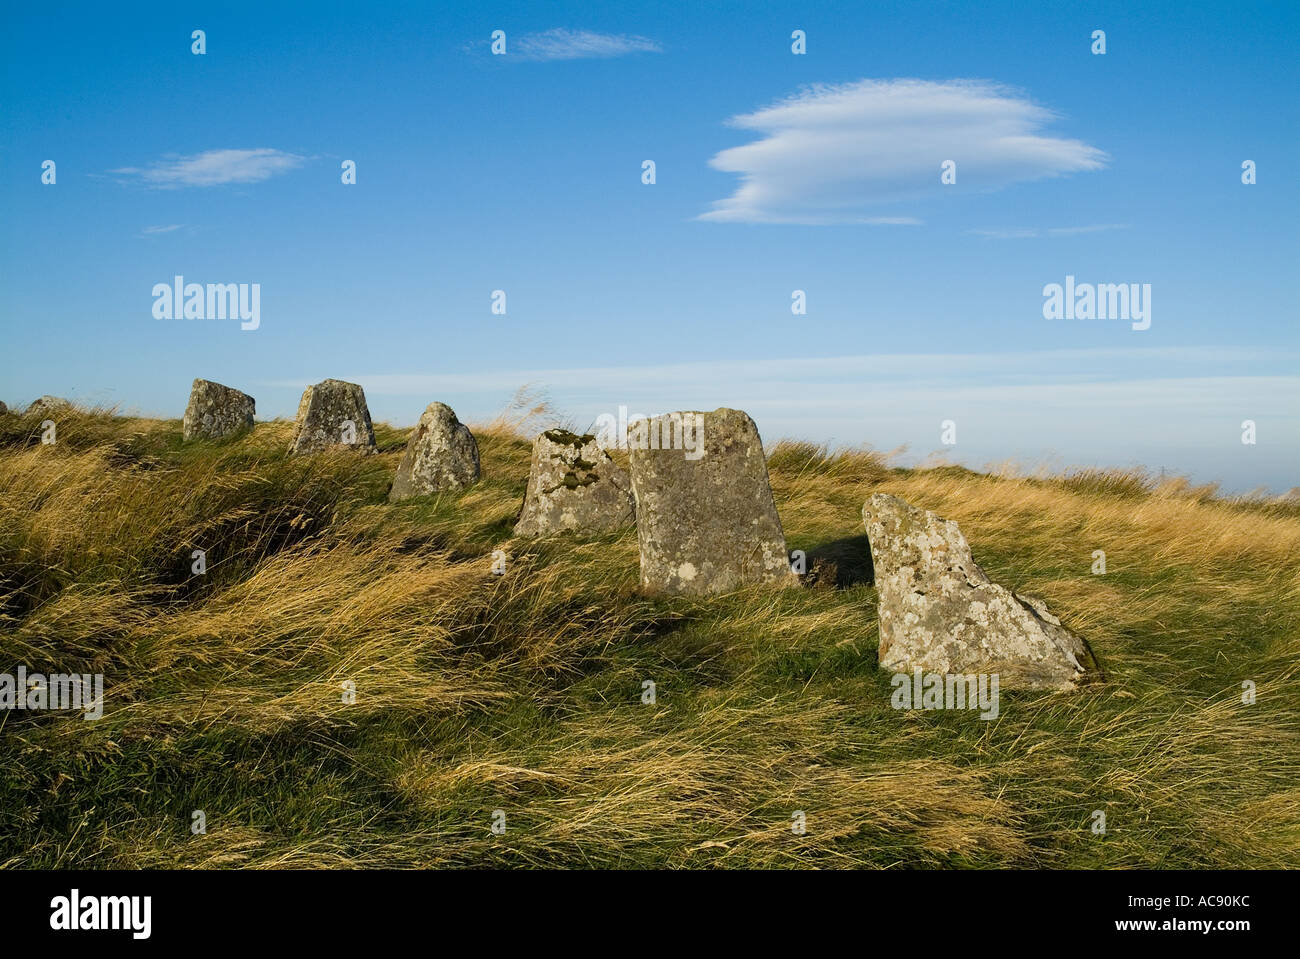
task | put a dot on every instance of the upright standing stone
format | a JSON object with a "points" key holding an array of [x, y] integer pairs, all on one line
{"points": [[574, 485], [331, 414], [939, 612], [440, 455], [705, 519], [215, 411]]}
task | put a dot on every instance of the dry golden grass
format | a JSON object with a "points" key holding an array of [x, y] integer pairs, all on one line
{"points": [[522, 692]]}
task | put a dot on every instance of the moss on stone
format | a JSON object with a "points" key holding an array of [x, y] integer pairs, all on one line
{"points": [[568, 438], [572, 480]]}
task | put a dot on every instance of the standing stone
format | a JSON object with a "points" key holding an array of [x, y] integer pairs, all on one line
{"points": [[574, 485], [333, 413], [48, 404], [440, 455], [4, 410], [215, 411], [705, 519], [939, 612]]}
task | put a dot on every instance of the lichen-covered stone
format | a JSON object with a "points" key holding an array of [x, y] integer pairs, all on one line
{"points": [[215, 411], [48, 404], [706, 522], [574, 485], [939, 612], [440, 455], [333, 414]]}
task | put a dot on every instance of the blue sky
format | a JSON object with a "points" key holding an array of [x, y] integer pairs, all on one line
{"points": [[775, 172]]}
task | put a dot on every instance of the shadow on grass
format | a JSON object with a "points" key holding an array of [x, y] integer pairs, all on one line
{"points": [[840, 564]]}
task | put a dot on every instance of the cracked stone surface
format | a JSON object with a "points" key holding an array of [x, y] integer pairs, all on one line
{"points": [[440, 455], [573, 484], [939, 611], [708, 525], [323, 414], [215, 411]]}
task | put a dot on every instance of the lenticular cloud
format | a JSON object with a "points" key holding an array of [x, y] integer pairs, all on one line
{"points": [[838, 154]]}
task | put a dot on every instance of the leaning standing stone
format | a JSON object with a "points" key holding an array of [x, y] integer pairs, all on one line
{"points": [[333, 413], [574, 485], [706, 522], [440, 455], [215, 411], [939, 612]]}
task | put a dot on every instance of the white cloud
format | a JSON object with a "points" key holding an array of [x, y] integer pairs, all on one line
{"points": [[1033, 231], [152, 230], [840, 377], [562, 44], [214, 168], [833, 154], [1174, 407]]}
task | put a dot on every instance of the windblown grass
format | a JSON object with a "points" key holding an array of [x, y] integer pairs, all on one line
{"points": [[523, 692]]}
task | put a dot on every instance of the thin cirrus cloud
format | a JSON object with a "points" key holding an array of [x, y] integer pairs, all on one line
{"points": [[214, 168], [1033, 232], [1024, 405], [836, 154], [562, 44]]}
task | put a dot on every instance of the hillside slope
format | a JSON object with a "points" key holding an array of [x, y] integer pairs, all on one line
{"points": [[522, 692]]}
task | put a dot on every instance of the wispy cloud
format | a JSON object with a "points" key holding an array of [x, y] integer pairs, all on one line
{"points": [[1086, 406], [155, 230], [214, 168], [562, 44], [834, 154], [840, 375], [1032, 232]]}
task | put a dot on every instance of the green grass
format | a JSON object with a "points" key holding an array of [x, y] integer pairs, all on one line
{"points": [[522, 692]]}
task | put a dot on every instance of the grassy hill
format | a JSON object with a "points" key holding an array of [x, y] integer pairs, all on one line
{"points": [[522, 692]]}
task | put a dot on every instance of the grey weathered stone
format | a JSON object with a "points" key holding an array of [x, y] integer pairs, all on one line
{"points": [[574, 485], [215, 411], [4, 410], [48, 404], [324, 414], [706, 521], [938, 610], [440, 455]]}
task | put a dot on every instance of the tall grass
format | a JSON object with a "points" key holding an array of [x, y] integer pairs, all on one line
{"points": [[228, 692]]}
